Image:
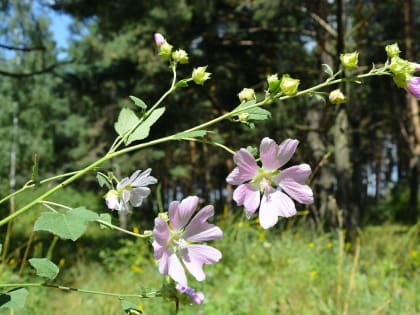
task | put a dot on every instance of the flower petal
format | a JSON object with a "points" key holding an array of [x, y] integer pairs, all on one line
{"points": [[198, 230], [274, 205], [246, 170], [194, 256], [142, 178], [158, 250], [176, 270], [291, 181], [269, 154], [181, 213], [161, 232], [138, 194], [286, 150], [247, 195]]}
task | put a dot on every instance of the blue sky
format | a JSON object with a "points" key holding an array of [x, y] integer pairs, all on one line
{"points": [[60, 29]]}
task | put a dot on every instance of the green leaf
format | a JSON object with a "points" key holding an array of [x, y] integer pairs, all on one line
{"points": [[68, 225], [138, 102], [256, 113], [105, 217], [191, 134], [44, 267], [15, 298], [103, 180], [131, 308], [143, 130], [181, 84], [127, 120], [328, 70]]}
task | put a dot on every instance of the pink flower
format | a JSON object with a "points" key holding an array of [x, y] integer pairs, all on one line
{"points": [[275, 186], [179, 237], [159, 39], [196, 297], [414, 86], [130, 191]]}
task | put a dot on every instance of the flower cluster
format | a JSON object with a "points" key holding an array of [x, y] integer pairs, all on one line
{"points": [[403, 71], [275, 186], [196, 297]]}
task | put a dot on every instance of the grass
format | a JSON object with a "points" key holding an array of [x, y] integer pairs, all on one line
{"points": [[289, 270]]}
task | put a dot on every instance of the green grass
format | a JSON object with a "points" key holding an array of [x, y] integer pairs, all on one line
{"points": [[281, 271]]}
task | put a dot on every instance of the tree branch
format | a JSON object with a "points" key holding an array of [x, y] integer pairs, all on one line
{"points": [[4, 46], [33, 73]]}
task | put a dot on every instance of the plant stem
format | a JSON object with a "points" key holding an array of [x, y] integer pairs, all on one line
{"points": [[114, 227], [64, 288]]}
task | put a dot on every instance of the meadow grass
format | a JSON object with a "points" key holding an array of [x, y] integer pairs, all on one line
{"points": [[287, 270]]}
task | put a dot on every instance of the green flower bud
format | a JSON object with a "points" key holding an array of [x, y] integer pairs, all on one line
{"points": [[165, 49], [273, 83], [350, 60], [288, 85], [180, 56], [337, 97], [246, 95], [392, 50], [243, 117], [199, 75], [402, 71]]}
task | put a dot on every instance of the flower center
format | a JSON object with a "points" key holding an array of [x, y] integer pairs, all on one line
{"points": [[176, 242], [266, 179]]}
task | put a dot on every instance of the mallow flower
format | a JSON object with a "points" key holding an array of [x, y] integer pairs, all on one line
{"points": [[130, 191], [177, 240], [276, 186]]}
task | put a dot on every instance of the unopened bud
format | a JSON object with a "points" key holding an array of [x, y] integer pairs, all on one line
{"points": [[337, 97], [165, 49], [273, 83], [243, 117], [159, 39], [288, 85], [350, 60], [392, 50], [180, 56], [199, 75], [246, 95]]}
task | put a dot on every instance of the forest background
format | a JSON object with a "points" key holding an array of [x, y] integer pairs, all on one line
{"points": [[59, 107]]}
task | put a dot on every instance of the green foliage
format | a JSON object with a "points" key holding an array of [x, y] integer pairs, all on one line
{"points": [[137, 129], [14, 299], [44, 268], [68, 225]]}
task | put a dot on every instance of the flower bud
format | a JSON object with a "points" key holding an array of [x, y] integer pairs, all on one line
{"points": [[337, 97], [159, 39], [199, 75], [246, 95], [180, 56], [243, 117], [402, 71], [392, 50], [414, 87], [350, 60], [288, 85], [165, 49], [273, 83]]}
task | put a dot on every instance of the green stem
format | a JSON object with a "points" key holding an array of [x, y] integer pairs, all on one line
{"points": [[64, 288], [114, 227], [110, 155], [30, 184]]}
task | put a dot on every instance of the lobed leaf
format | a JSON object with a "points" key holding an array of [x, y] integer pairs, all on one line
{"points": [[68, 225], [191, 134], [142, 131], [44, 267], [127, 120], [256, 113], [15, 298]]}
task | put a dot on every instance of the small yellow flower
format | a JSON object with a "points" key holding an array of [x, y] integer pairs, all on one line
{"points": [[347, 247], [62, 262], [311, 245], [413, 254], [12, 262], [314, 273], [261, 236], [136, 268], [329, 244], [136, 230]]}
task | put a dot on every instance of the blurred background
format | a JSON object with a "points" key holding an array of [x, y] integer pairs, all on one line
{"points": [[67, 68]]}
